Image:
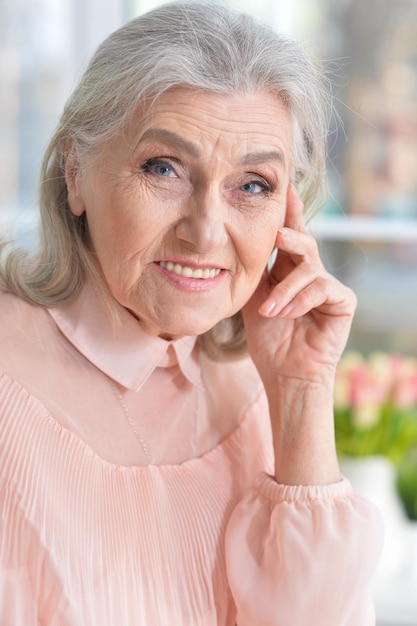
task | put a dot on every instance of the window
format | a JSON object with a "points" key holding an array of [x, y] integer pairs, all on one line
{"points": [[43, 47]]}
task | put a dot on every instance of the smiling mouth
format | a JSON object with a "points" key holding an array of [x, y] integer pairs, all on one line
{"points": [[189, 272]]}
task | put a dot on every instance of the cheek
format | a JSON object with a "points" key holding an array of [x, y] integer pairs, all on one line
{"points": [[257, 264], [112, 242], [258, 241], [115, 223]]}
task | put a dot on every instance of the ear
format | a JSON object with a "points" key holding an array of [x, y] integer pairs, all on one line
{"points": [[73, 178]]}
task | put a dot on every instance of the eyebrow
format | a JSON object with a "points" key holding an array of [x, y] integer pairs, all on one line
{"points": [[252, 158], [255, 158], [160, 134]]}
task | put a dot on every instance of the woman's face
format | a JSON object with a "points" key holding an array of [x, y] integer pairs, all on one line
{"points": [[183, 207]]}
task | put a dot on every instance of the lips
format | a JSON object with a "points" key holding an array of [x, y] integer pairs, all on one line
{"points": [[203, 273]]}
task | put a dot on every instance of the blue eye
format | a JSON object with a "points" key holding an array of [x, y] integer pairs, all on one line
{"points": [[158, 167], [255, 187], [163, 170]]}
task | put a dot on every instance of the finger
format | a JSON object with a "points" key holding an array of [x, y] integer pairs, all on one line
{"points": [[298, 264], [297, 244], [285, 291], [294, 210], [325, 295], [294, 248]]}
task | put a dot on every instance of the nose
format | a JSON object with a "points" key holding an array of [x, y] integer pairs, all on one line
{"points": [[203, 225]]}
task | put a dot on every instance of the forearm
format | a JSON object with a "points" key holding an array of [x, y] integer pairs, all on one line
{"points": [[303, 433]]}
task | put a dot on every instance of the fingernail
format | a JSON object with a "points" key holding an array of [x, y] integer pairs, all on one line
{"points": [[286, 310], [267, 308]]}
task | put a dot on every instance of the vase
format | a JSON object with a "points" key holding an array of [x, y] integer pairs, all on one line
{"points": [[374, 478]]}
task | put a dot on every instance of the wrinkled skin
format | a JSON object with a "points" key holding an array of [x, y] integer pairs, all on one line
{"points": [[309, 312], [204, 183]]}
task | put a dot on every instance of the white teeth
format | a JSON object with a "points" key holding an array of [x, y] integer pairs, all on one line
{"points": [[189, 272]]}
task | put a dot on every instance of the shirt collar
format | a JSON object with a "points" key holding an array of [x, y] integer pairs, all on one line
{"points": [[122, 351]]}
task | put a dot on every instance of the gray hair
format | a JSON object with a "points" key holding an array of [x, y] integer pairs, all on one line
{"points": [[188, 44]]}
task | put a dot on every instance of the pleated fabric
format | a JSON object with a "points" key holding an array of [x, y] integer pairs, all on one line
{"points": [[85, 542], [89, 542], [209, 541]]}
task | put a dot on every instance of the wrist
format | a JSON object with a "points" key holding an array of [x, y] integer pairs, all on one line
{"points": [[303, 432]]}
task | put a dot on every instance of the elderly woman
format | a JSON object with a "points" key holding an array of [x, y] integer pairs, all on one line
{"points": [[166, 441]]}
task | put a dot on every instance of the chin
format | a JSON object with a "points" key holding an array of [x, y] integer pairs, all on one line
{"points": [[173, 329], [174, 332]]}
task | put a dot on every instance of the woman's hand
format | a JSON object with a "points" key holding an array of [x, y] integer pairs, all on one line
{"points": [[298, 320], [297, 324]]}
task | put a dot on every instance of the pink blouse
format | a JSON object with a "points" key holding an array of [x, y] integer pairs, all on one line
{"points": [[134, 487]]}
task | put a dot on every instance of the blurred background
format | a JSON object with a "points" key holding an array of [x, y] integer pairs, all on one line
{"points": [[367, 231]]}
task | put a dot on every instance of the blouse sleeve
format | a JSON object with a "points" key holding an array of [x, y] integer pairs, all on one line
{"points": [[303, 555]]}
